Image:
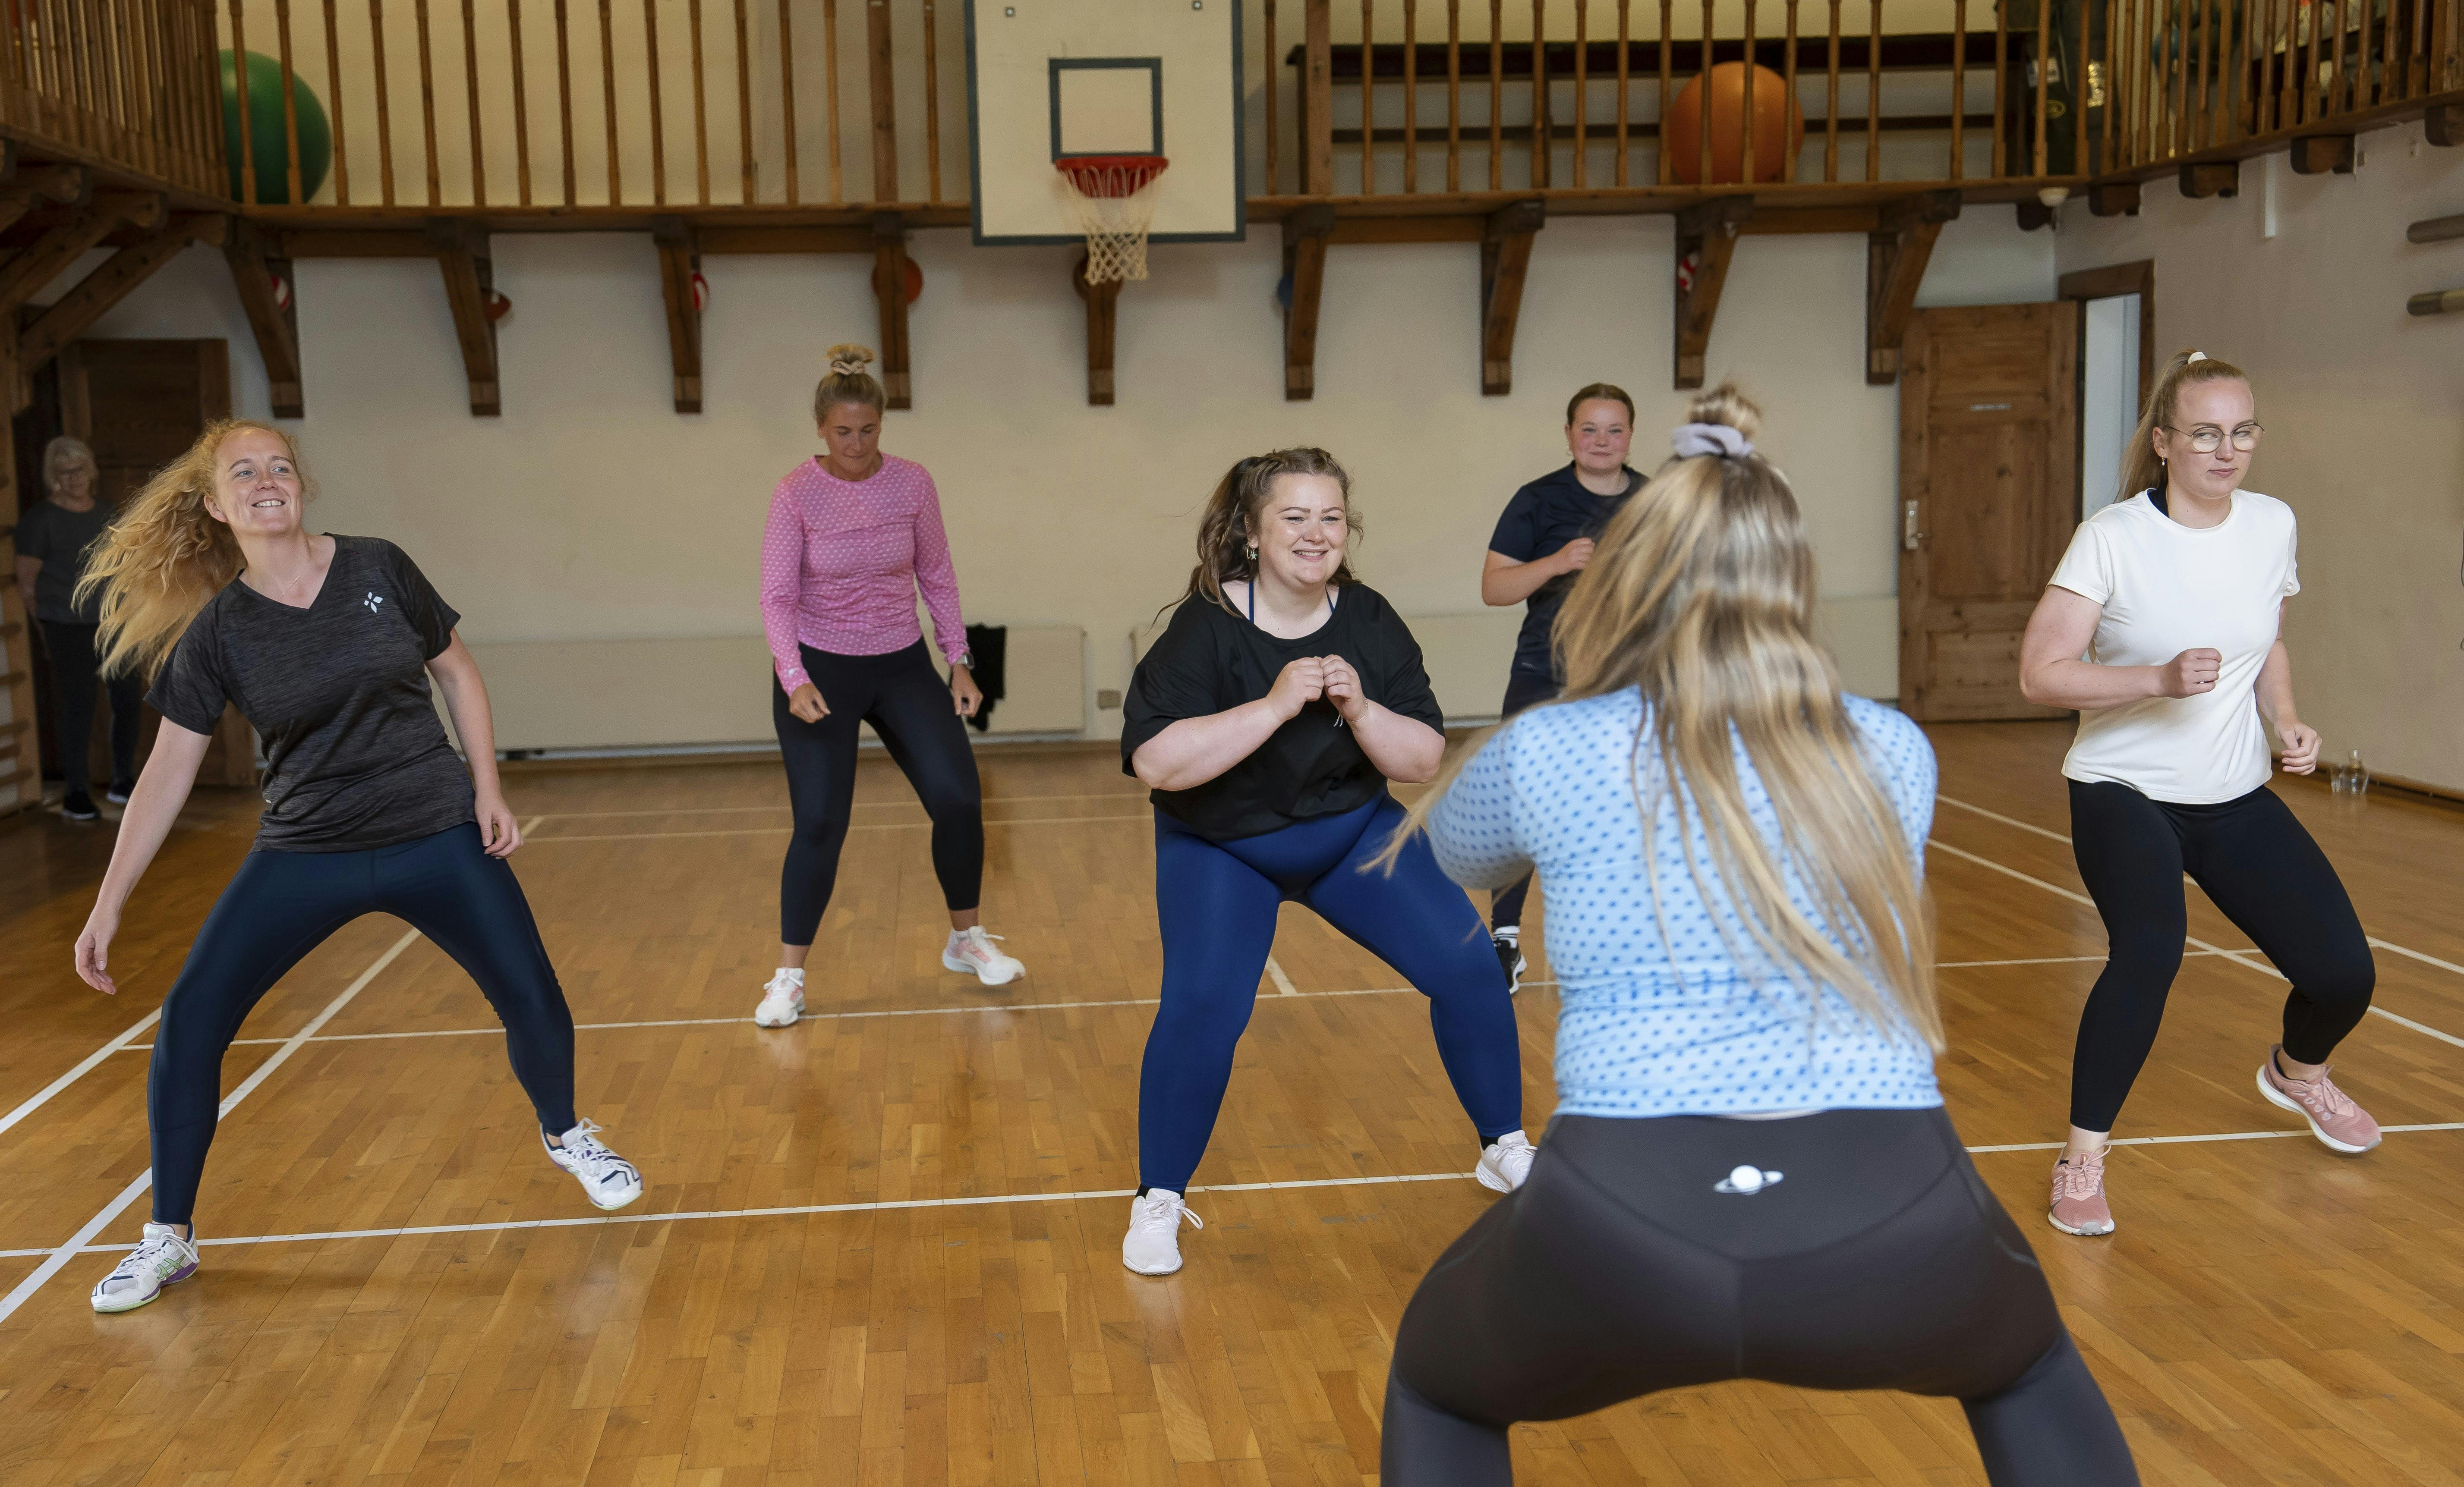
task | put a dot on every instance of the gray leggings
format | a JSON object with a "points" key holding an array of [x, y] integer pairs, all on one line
{"points": [[1877, 1261]]}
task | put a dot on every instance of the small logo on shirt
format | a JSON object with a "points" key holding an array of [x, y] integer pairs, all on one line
{"points": [[1746, 1179], [373, 601]]}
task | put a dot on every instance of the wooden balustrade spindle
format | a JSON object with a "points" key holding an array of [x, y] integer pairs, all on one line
{"points": [[2203, 127], [1873, 94], [521, 103], [1703, 101], [290, 181], [882, 95], [1368, 98], [1411, 96], [428, 104], [788, 98], [2262, 102], [1454, 94], [136, 90], [1959, 90], [607, 100], [1831, 102], [1666, 169], [933, 104], [2112, 98], [1748, 169], [701, 108], [2416, 72], [831, 98], [384, 114], [1318, 99], [2151, 99], [1274, 110], [2239, 100], [239, 87], [2041, 65], [658, 113], [1497, 94], [1788, 91], [2365, 83], [1582, 77], [1625, 79], [750, 189], [2339, 97], [1544, 149], [564, 103], [471, 90], [2079, 96]]}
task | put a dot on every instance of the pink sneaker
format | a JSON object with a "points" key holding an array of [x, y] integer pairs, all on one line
{"points": [[2339, 1124], [2078, 1204]]}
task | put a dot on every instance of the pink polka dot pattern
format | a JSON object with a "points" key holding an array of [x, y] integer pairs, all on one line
{"points": [[842, 562]]}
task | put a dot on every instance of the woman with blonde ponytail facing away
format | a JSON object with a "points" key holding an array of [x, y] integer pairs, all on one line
{"points": [[2175, 596], [1750, 1173], [853, 533], [212, 585]]}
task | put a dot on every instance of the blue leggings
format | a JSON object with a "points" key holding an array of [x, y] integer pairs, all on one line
{"points": [[282, 904], [1216, 902]]}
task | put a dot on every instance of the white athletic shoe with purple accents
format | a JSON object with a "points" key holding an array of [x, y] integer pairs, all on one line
{"points": [[161, 1259]]}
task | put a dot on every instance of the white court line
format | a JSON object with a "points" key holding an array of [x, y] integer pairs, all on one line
{"points": [[416, 1230], [781, 831], [2043, 960], [84, 1236], [2238, 957], [860, 805], [1282, 982], [40, 1098]]}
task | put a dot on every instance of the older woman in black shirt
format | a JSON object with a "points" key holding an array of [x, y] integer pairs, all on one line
{"points": [[52, 537], [1267, 718]]}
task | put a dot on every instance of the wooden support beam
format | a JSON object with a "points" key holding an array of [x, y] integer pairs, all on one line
{"points": [[1306, 235], [678, 263], [461, 251], [719, 241], [2443, 124], [1505, 258], [1706, 238], [2322, 154], [27, 270], [67, 317], [2200, 181], [1895, 254], [65, 185], [889, 294], [255, 265], [1103, 303], [2114, 199]]}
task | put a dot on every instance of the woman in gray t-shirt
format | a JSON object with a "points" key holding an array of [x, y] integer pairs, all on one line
{"points": [[54, 536]]}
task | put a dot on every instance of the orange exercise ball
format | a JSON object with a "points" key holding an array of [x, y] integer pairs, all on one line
{"points": [[1779, 127]]}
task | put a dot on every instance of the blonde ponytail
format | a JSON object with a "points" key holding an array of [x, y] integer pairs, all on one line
{"points": [[2141, 468], [166, 556]]}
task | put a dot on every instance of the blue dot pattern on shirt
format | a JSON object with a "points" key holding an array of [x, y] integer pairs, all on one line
{"points": [[1685, 1019]]}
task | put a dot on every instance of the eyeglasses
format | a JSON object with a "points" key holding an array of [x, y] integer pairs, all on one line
{"points": [[2208, 438]]}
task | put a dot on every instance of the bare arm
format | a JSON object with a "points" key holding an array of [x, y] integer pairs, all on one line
{"points": [[2275, 695], [466, 699], [1503, 582], [27, 568], [1194, 751], [2052, 674], [161, 789]]}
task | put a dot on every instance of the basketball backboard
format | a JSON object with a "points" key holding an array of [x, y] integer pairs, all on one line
{"points": [[1049, 80]]}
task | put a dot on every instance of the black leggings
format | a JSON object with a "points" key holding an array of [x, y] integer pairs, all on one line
{"points": [[282, 904], [2270, 879], [1523, 689], [909, 706], [1877, 1261], [74, 662]]}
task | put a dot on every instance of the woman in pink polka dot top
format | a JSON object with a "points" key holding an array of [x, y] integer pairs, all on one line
{"points": [[854, 534]]}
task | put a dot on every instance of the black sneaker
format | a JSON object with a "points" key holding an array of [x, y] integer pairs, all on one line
{"points": [[1509, 955], [79, 806], [120, 792]]}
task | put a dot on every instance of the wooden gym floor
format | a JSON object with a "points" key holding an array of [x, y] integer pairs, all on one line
{"points": [[881, 1247]]}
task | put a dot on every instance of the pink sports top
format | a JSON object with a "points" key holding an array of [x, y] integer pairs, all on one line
{"points": [[842, 562]]}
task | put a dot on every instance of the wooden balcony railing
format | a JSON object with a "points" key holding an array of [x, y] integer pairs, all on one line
{"points": [[127, 85]]}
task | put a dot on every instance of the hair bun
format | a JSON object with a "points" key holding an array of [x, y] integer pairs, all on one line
{"points": [[849, 360]]}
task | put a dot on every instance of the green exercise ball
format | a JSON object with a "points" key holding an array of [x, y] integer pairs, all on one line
{"points": [[266, 137]]}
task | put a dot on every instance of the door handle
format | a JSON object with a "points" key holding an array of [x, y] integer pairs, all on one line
{"points": [[1909, 537]]}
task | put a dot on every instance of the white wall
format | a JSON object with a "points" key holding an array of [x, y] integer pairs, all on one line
{"points": [[592, 511], [2362, 405]]}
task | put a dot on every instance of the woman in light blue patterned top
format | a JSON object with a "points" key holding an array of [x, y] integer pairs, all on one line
{"points": [[1749, 1175]]}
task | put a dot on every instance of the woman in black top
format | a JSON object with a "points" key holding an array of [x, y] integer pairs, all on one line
{"points": [[52, 537], [1543, 539], [1267, 718], [212, 583]]}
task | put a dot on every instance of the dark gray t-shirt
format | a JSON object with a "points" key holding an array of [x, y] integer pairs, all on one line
{"points": [[60, 536], [355, 755]]}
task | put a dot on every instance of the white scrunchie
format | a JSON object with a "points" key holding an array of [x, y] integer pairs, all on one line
{"points": [[1693, 439], [2196, 355], [848, 368]]}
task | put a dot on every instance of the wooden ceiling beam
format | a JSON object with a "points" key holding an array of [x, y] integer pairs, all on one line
{"points": [[462, 255], [890, 298], [1306, 235], [258, 264], [69, 316], [36, 265], [1895, 254], [679, 260], [1103, 304], [1706, 239], [1505, 260]]}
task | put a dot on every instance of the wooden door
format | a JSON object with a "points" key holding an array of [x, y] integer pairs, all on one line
{"points": [[1989, 496], [139, 405]]}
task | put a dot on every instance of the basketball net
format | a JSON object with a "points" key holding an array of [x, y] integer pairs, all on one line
{"points": [[1115, 197]]}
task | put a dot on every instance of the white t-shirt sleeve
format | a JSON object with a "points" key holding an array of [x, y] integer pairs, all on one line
{"points": [[2292, 556], [2087, 568]]}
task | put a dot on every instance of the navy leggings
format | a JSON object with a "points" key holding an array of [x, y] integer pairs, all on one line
{"points": [[1630, 1263], [909, 706], [1216, 902], [2257, 865], [282, 904]]}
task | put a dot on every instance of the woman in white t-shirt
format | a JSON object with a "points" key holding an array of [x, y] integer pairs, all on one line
{"points": [[2173, 595]]}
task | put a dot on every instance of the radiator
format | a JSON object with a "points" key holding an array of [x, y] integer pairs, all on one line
{"points": [[655, 693]]}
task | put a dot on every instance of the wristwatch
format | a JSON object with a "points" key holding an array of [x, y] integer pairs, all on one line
{"points": [[964, 657]]}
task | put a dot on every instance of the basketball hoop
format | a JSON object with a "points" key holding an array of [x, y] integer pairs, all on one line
{"points": [[1114, 195]]}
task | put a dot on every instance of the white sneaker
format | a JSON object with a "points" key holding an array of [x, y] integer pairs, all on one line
{"points": [[1153, 1245], [782, 999], [1505, 1162], [161, 1259], [971, 950], [607, 1179]]}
